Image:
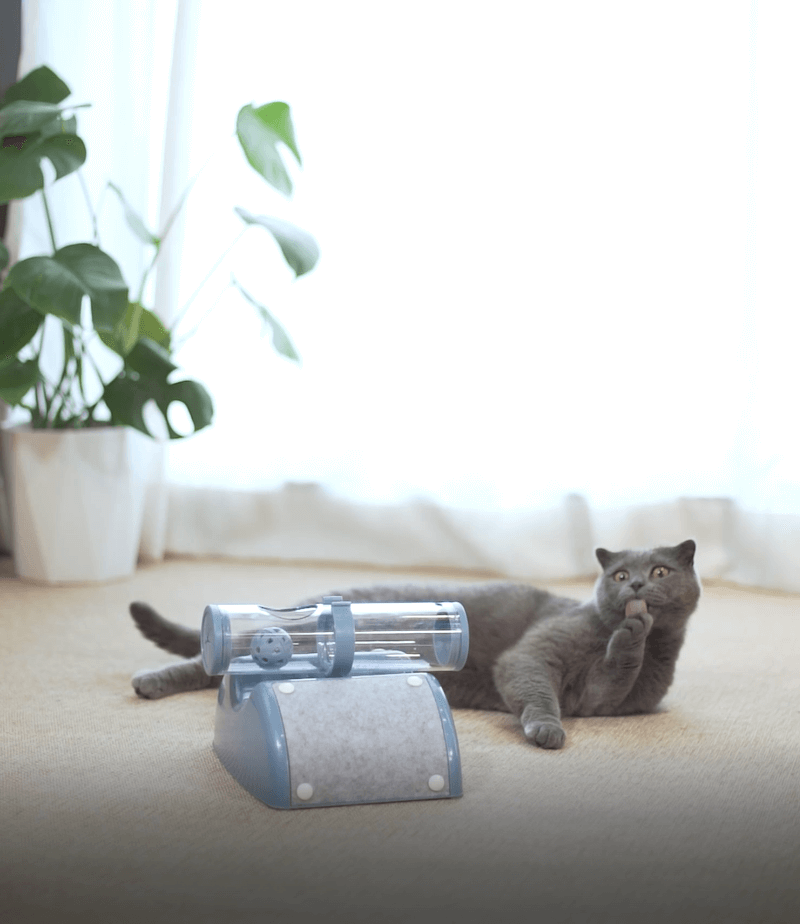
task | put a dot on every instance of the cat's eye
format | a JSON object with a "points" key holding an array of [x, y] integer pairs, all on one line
{"points": [[660, 571], [621, 576]]}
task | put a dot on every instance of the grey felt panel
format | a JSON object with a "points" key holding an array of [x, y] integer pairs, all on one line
{"points": [[363, 739]]}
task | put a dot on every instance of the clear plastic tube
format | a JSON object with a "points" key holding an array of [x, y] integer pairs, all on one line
{"points": [[334, 637]]}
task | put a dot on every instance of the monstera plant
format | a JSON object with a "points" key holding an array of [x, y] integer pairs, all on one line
{"points": [[37, 124], [82, 418]]}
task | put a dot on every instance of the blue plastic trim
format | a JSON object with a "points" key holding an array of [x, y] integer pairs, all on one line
{"points": [[240, 686], [250, 741], [278, 789], [449, 734], [461, 658], [215, 640], [344, 631], [450, 649]]}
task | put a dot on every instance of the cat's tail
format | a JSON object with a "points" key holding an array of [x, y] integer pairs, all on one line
{"points": [[168, 635]]}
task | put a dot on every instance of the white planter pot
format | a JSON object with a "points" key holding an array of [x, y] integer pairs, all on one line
{"points": [[76, 501]]}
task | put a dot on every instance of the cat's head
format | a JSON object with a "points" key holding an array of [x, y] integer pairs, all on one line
{"points": [[664, 578]]}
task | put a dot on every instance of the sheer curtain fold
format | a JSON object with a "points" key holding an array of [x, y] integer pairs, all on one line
{"points": [[306, 523], [174, 182]]}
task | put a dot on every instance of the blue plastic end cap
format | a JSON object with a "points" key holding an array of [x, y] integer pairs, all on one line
{"points": [[451, 648], [215, 640], [461, 657]]}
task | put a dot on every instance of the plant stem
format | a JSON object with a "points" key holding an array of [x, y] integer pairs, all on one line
{"points": [[49, 221], [74, 343], [41, 402], [57, 393], [209, 274], [101, 199], [40, 396], [184, 195], [180, 342], [79, 370], [173, 216], [92, 216], [83, 354], [140, 294], [87, 355], [41, 343]]}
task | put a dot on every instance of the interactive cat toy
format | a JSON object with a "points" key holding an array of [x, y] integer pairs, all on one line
{"points": [[332, 703]]}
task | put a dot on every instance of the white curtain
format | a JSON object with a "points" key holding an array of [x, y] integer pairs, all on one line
{"points": [[116, 57], [535, 250], [557, 300], [133, 63]]}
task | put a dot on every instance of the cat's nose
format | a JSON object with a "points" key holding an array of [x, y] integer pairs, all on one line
{"points": [[637, 585]]}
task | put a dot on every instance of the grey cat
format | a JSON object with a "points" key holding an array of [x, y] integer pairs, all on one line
{"points": [[532, 653]]}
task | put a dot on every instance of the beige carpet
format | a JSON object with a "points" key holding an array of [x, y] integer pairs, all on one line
{"points": [[116, 809]]}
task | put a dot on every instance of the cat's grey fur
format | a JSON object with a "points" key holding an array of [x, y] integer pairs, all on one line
{"points": [[532, 653]]}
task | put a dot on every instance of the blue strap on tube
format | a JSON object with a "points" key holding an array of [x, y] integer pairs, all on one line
{"points": [[340, 623]]}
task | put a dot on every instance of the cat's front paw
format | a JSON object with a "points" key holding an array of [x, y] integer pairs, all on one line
{"points": [[545, 734], [633, 629], [149, 685]]}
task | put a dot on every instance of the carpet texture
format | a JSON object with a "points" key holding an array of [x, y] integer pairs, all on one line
{"points": [[115, 809]]}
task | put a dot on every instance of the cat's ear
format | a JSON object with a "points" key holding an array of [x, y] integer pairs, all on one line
{"points": [[685, 553], [604, 557]]}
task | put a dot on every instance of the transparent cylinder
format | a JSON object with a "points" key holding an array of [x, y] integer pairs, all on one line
{"points": [[334, 638]]}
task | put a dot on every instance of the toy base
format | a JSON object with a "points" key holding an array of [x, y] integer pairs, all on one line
{"points": [[340, 741]]}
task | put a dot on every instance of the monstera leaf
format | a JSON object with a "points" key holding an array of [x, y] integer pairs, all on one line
{"points": [[37, 124], [145, 378], [298, 247], [280, 339], [41, 84], [138, 323], [135, 221], [18, 323], [20, 171], [33, 128], [56, 285], [17, 378], [259, 131]]}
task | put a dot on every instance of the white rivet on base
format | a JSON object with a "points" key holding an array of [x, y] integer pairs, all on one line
{"points": [[305, 791], [286, 687], [414, 681], [436, 783]]}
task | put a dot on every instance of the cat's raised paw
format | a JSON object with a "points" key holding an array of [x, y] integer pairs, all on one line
{"points": [[633, 628], [545, 734]]}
